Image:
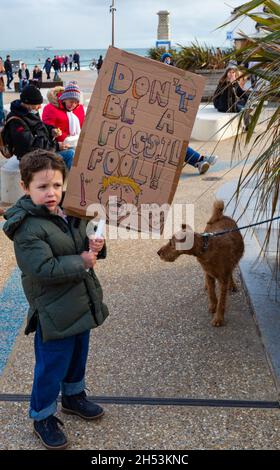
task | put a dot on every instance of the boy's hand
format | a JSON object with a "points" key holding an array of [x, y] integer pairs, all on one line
{"points": [[96, 244], [63, 146], [89, 259]]}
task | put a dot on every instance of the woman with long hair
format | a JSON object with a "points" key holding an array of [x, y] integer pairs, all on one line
{"points": [[229, 97]]}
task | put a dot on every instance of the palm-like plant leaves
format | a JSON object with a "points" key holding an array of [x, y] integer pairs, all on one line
{"points": [[264, 173]]}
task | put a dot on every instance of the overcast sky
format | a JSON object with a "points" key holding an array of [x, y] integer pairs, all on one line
{"points": [[86, 24]]}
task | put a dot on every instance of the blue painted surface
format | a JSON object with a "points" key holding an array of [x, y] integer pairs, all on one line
{"points": [[13, 310]]}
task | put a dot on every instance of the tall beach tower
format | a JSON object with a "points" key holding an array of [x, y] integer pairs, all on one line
{"points": [[163, 31]]}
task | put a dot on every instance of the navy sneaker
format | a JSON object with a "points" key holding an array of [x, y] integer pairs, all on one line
{"points": [[80, 405], [50, 434]]}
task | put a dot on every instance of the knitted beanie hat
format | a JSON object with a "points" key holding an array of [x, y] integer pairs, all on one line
{"points": [[71, 92], [31, 95]]}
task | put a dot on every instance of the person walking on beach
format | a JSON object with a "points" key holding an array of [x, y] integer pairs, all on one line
{"points": [[76, 60], [56, 67], [193, 158], [65, 113], [99, 64], [2, 89], [9, 71], [65, 297], [47, 67], [70, 61]]}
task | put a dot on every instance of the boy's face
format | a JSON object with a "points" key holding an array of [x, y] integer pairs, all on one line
{"points": [[46, 188]]}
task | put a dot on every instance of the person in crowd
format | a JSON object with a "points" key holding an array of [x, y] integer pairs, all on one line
{"points": [[70, 61], [65, 62], [9, 71], [37, 76], [2, 89], [193, 158], [57, 262], [23, 75], [76, 60], [229, 97], [166, 58], [99, 64], [56, 67], [28, 132], [65, 112], [60, 61], [47, 67]]}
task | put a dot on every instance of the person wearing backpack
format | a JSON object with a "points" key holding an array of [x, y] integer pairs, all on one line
{"points": [[24, 129]]}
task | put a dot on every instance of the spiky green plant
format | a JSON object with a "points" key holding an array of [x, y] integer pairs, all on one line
{"points": [[200, 56], [263, 174], [156, 53]]}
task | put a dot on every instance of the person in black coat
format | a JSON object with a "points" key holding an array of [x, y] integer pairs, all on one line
{"points": [[9, 71], [99, 64], [229, 97], [37, 76], [29, 132]]}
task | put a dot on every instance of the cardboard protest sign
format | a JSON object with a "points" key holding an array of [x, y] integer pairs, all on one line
{"points": [[134, 139]]}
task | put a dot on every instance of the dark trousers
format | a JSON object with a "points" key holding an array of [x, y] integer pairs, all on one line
{"points": [[9, 78], [60, 365]]}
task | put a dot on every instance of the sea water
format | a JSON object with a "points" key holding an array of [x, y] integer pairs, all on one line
{"points": [[38, 56]]}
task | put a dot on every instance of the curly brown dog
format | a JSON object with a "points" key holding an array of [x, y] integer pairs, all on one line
{"points": [[217, 255]]}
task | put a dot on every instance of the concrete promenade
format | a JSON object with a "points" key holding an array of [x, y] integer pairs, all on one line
{"points": [[166, 377]]}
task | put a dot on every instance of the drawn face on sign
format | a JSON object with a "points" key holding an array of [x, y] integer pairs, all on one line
{"points": [[117, 195]]}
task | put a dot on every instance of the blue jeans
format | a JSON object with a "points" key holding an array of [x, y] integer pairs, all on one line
{"points": [[67, 156], [239, 107], [60, 365], [2, 115], [22, 83], [192, 157], [9, 78]]}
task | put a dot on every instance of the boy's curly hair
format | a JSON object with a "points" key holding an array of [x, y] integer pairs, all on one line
{"points": [[38, 160]]}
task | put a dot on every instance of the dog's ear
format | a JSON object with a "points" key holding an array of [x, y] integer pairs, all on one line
{"points": [[184, 227]]}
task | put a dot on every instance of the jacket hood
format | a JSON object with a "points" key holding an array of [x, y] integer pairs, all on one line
{"points": [[23, 208], [53, 95], [17, 108]]}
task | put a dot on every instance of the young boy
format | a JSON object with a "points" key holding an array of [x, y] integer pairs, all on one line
{"points": [[65, 297]]}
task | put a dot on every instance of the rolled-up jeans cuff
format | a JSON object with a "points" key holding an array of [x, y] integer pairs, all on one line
{"points": [[43, 414], [72, 388]]}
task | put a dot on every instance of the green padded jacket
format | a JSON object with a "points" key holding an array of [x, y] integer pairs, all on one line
{"points": [[65, 297]]}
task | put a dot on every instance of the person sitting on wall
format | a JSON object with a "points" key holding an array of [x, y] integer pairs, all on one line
{"points": [[28, 132], [37, 76], [65, 112], [229, 97], [23, 75]]}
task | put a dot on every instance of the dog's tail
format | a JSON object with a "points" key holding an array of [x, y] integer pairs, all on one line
{"points": [[217, 213]]}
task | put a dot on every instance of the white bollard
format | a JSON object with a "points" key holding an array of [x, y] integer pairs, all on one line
{"points": [[10, 181]]}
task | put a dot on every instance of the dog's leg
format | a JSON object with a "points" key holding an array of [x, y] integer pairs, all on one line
{"points": [[205, 283], [210, 283], [232, 285], [218, 318]]}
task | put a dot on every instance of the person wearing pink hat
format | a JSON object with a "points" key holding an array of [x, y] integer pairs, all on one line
{"points": [[66, 114]]}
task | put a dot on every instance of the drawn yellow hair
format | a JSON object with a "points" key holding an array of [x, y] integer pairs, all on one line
{"points": [[122, 180]]}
